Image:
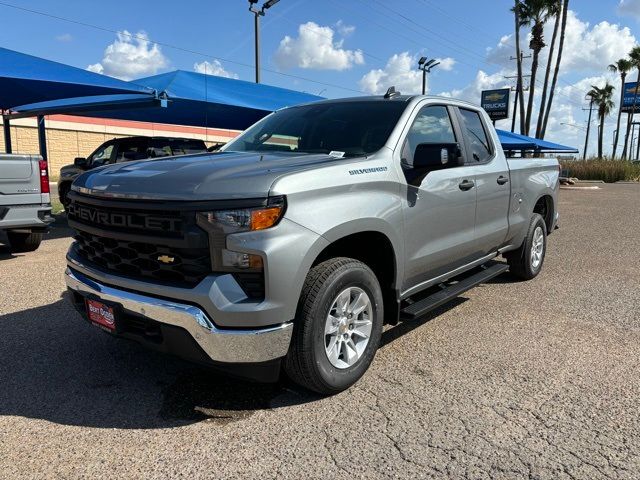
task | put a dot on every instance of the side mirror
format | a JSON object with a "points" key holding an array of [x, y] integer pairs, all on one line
{"points": [[436, 156], [80, 162]]}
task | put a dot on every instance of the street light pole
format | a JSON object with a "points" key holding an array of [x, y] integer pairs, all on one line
{"points": [[426, 66], [256, 15]]}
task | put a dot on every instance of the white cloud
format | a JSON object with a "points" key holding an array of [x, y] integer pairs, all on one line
{"points": [[446, 64], [344, 29], [629, 8], [64, 38], [315, 48], [213, 68], [402, 72], [131, 56], [586, 48]]}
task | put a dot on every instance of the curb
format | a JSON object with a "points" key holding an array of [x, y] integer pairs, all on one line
{"points": [[562, 187]]}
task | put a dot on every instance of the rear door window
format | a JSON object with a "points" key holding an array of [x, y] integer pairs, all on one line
{"points": [[476, 134], [185, 147], [130, 150]]}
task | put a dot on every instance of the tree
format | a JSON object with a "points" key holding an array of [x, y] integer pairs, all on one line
{"points": [[547, 74], [520, 84], [552, 90], [622, 66], [535, 13], [634, 56], [603, 99]]}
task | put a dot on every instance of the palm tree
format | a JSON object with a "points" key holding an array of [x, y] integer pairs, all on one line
{"points": [[634, 56], [622, 66], [602, 98], [520, 85], [552, 91], [545, 87], [535, 13]]}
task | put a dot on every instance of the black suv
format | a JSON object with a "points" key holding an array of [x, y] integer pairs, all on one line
{"points": [[125, 150]]}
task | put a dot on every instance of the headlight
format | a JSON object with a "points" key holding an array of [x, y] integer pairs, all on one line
{"points": [[220, 223], [243, 220]]}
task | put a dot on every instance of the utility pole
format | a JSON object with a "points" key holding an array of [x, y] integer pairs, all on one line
{"points": [[257, 14], [586, 138], [519, 88], [426, 66]]}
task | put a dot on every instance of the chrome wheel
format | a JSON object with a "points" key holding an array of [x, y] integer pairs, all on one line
{"points": [[348, 327], [537, 248]]}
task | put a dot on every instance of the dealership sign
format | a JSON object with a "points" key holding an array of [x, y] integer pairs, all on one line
{"points": [[496, 103], [629, 94]]}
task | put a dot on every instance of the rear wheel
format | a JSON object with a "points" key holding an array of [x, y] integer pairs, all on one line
{"points": [[338, 327], [526, 262], [24, 242]]}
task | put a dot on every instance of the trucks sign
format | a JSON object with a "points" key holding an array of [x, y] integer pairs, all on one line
{"points": [[629, 94], [496, 103]]}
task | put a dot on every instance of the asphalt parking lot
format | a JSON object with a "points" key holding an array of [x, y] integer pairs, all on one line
{"points": [[537, 379]]}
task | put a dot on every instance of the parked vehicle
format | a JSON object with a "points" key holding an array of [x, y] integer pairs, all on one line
{"points": [[124, 150], [301, 237], [25, 208]]}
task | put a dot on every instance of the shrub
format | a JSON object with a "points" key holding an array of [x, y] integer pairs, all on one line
{"points": [[598, 169]]}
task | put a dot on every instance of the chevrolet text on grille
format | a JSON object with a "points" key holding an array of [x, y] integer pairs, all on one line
{"points": [[115, 219]]}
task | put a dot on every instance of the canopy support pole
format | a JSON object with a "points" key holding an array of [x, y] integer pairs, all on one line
{"points": [[42, 137], [6, 124]]}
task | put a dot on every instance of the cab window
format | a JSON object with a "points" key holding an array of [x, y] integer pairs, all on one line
{"points": [[477, 136], [131, 150], [102, 156], [432, 125]]}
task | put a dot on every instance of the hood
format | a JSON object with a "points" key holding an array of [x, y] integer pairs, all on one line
{"points": [[213, 176]]}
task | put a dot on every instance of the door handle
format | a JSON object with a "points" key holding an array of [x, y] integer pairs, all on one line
{"points": [[502, 180], [467, 184]]}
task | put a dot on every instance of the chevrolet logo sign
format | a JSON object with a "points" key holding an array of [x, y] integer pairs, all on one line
{"points": [[494, 97], [166, 259]]}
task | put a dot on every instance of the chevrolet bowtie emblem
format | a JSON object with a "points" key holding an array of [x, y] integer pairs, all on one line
{"points": [[166, 259]]}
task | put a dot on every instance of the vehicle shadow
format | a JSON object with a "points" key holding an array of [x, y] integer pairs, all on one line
{"points": [[58, 368], [397, 331]]}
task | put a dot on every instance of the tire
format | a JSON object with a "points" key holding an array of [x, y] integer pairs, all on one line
{"points": [[63, 191], [523, 263], [307, 362], [24, 242]]}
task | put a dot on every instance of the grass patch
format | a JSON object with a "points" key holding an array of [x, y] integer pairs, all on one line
{"points": [[56, 206], [607, 170]]}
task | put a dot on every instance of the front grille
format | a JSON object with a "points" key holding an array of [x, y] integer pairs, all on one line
{"points": [[141, 240], [187, 266]]}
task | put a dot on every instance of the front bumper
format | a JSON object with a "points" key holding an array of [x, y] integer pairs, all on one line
{"points": [[229, 346]]}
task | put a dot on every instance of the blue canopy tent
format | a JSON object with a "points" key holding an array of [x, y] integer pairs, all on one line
{"points": [[28, 79], [514, 141], [191, 99]]}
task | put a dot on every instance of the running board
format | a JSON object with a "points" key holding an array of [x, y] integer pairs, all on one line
{"points": [[449, 292]]}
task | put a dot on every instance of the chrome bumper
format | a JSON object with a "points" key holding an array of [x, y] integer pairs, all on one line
{"points": [[221, 345]]}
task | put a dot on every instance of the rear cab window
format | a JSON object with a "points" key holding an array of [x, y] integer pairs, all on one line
{"points": [[478, 141]]}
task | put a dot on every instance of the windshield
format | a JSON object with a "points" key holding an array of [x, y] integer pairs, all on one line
{"points": [[345, 128]]}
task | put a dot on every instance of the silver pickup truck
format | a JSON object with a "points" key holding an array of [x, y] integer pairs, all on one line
{"points": [[293, 245], [25, 208]]}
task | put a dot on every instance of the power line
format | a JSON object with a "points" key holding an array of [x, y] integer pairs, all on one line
{"points": [[175, 47]]}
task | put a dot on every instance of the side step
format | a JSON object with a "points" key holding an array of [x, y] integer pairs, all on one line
{"points": [[449, 292]]}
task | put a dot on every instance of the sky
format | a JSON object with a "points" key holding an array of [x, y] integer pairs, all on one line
{"points": [[333, 48]]}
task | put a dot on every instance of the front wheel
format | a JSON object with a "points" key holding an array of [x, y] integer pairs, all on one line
{"points": [[526, 262], [338, 326]]}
